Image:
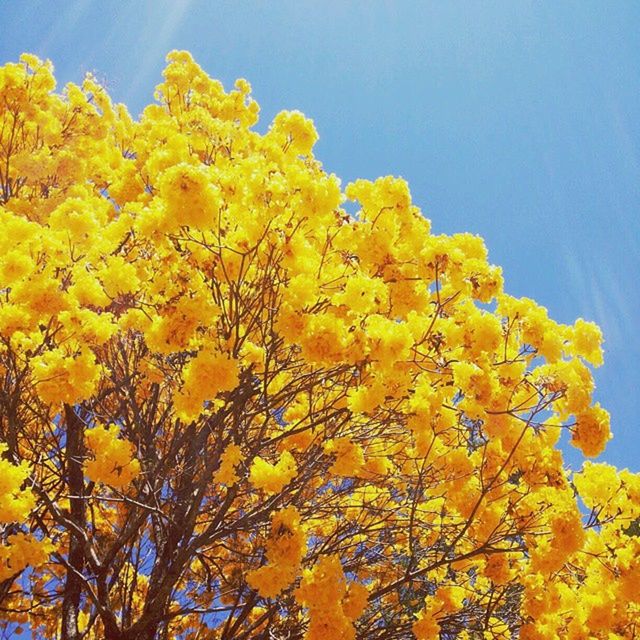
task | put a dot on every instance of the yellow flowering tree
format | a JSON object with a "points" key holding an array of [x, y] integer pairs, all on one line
{"points": [[230, 409]]}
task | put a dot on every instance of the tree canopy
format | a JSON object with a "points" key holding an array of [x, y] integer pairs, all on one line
{"points": [[231, 409]]}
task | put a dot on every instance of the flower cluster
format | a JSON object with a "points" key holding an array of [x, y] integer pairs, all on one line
{"points": [[230, 408]]}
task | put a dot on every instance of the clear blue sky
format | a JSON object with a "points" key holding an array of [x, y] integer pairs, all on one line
{"points": [[519, 121]]}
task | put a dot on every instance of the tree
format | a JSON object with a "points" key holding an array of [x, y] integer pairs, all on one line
{"points": [[230, 409]]}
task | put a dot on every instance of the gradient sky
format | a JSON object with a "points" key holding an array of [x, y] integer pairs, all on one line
{"points": [[518, 121]]}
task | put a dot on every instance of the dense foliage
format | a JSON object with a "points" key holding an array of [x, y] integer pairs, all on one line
{"points": [[231, 409]]}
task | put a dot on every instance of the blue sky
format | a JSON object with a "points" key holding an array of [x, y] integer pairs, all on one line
{"points": [[519, 121]]}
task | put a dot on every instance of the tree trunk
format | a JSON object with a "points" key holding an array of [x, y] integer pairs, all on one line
{"points": [[75, 480]]}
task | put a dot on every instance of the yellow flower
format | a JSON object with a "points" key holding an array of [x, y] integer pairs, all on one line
{"points": [[113, 460], [204, 377], [272, 478], [191, 197], [229, 460], [592, 431]]}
